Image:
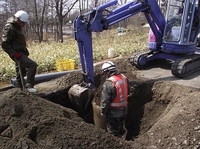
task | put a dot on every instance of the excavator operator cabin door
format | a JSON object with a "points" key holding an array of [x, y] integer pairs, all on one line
{"points": [[180, 26]]}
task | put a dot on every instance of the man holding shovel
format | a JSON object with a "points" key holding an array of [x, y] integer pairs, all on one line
{"points": [[14, 44]]}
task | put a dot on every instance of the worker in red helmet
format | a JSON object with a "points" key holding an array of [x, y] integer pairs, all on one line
{"points": [[114, 99], [14, 44]]}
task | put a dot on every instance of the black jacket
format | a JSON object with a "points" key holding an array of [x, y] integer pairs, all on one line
{"points": [[13, 39]]}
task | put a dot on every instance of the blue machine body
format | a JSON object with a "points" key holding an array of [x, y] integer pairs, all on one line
{"points": [[172, 37]]}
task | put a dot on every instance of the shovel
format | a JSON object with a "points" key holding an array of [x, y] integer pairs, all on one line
{"points": [[21, 76]]}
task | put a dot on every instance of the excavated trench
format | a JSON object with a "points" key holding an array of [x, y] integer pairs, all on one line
{"points": [[143, 112]]}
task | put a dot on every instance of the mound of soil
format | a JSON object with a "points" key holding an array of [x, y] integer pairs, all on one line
{"points": [[161, 114]]}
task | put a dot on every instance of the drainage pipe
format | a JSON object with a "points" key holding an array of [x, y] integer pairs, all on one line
{"points": [[46, 77]]}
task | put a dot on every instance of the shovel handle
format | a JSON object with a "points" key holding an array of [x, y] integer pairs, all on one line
{"points": [[20, 73]]}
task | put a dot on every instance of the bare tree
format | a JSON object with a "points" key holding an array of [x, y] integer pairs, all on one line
{"points": [[63, 7], [37, 21], [51, 15], [83, 6]]}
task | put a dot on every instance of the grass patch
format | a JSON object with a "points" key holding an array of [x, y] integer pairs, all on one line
{"points": [[46, 53]]}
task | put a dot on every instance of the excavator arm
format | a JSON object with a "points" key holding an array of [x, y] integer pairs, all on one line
{"points": [[101, 18], [97, 20]]}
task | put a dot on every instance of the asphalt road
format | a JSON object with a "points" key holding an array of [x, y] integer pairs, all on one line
{"points": [[162, 71]]}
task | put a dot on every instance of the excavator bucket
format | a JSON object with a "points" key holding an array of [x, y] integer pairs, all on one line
{"points": [[81, 99]]}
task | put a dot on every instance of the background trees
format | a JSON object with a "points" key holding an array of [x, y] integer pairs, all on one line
{"points": [[54, 18]]}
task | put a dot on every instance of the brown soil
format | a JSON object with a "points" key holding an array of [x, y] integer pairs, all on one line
{"points": [[162, 115]]}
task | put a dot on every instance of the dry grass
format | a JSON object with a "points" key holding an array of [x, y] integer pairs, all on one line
{"points": [[46, 53]]}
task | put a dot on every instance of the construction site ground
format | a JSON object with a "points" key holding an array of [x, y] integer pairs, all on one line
{"points": [[164, 113]]}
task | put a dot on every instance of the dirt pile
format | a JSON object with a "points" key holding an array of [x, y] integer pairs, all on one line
{"points": [[161, 114], [28, 121]]}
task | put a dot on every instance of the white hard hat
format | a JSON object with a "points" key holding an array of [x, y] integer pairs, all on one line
{"points": [[108, 66], [22, 15]]}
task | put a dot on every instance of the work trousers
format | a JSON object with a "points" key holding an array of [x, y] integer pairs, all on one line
{"points": [[28, 67], [116, 125]]}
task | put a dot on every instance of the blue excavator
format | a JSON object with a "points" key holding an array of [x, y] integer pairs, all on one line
{"points": [[172, 37]]}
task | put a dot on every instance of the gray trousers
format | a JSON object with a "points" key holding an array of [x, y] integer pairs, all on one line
{"points": [[28, 67]]}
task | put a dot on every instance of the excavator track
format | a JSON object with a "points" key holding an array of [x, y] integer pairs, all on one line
{"points": [[140, 60], [134, 59], [185, 66]]}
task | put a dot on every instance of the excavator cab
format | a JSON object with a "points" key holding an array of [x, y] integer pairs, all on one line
{"points": [[182, 24], [174, 21], [179, 38]]}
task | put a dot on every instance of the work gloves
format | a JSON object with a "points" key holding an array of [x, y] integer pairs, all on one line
{"points": [[17, 56]]}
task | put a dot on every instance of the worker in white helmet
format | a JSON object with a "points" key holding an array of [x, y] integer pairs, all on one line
{"points": [[14, 44], [114, 99]]}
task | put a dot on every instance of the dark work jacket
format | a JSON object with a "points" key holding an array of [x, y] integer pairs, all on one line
{"points": [[108, 95], [13, 39]]}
